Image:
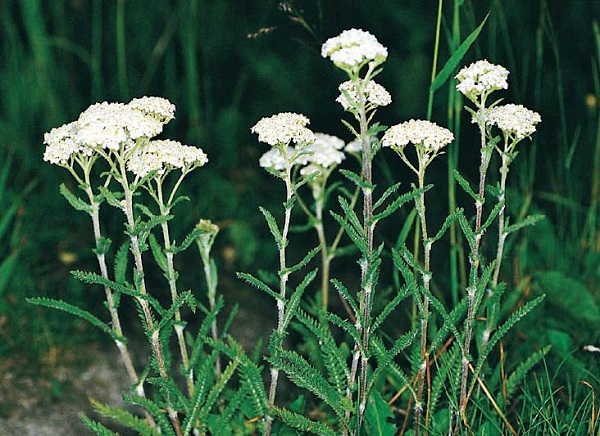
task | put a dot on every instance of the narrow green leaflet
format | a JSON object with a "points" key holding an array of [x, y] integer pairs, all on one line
{"points": [[493, 214], [456, 58], [357, 180], [154, 409], [121, 259], [528, 221], [74, 310], [355, 236], [259, 284], [302, 423], [124, 418], [273, 227], [399, 202], [302, 263], [75, 202], [184, 298], [466, 186], [97, 428], [294, 301], [389, 191], [189, 239], [159, 256]]}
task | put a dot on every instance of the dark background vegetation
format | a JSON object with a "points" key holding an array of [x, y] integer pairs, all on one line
{"points": [[226, 64]]}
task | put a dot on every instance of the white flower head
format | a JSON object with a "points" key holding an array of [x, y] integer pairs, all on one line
{"points": [[61, 145], [375, 94], [353, 48], [165, 155], [284, 128], [275, 159], [108, 125], [481, 78], [426, 134], [157, 107], [324, 152], [514, 119]]}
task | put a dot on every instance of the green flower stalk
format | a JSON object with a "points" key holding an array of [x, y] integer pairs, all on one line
{"points": [[155, 161], [351, 51], [516, 123], [429, 140], [64, 151], [204, 241], [279, 131], [477, 82]]}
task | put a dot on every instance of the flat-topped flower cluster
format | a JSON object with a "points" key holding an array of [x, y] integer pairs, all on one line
{"points": [[126, 129]]}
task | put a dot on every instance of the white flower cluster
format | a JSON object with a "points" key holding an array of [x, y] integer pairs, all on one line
{"points": [[108, 125], [61, 145], [481, 78], [284, 128], [418, 132], [324, 152], [352, 48], [514, 119], [375, 95], [164, 155], [160, 108], [275, 159]]}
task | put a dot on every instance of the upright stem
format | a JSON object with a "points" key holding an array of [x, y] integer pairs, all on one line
{"points": [[420, 205], [475, 261], [366, 283], [179, 330], [506, 159], [283, 278], [145, 306], [325, 257]]}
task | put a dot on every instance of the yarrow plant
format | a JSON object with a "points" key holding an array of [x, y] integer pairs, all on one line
{"points": [[359, 375]]}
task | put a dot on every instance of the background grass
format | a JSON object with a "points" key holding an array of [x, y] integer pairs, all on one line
{"points": [[226, 64]]}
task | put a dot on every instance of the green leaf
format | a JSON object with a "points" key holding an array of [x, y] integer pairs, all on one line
{"points": [[355, 236], [389, 191], [273, 228], [124, 418], [154, 409], [351, 216], [74, 310], [259, 284], [121, 259], [399, 202], [295, 299], [189, 239], [184, 298], [528, 221], [159, 256], [456, 58], [447, 223], [345, 294], [112, 198], [467, 187], [493, 214], [357, 180], [97, 428], [75, 202], [378, 415], [302, 423], [303, 262], [515, 379]]}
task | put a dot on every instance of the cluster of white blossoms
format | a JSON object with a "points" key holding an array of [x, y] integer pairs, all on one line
{"points": [[481, 78], [275, 159], [165, 155], [61, 145], [160, 108], [375, 95], [514, 120], [109, 125], [325, 151], [283, 129], [113, 126], [352, 48], [426, 134]]}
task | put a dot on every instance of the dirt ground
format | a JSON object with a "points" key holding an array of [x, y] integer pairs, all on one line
{"points": [[49, 400]]}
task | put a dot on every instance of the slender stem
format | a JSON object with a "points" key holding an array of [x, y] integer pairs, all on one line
{"points": [[325, 257], [283, 278], [426, 277], [475, 261], [165, 210], [366, 281], [145, 306]]}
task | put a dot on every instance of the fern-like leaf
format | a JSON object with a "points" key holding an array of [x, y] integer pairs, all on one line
{"points": [[97, 428], [273, 228], [355, 236], [74, 310], [399, 202], [302, 423], [312, 253], [75, 202], [187, 241], [125, 418], [258, 284], [154, 409], [518, 375], [295, 299], [357, 179]]}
